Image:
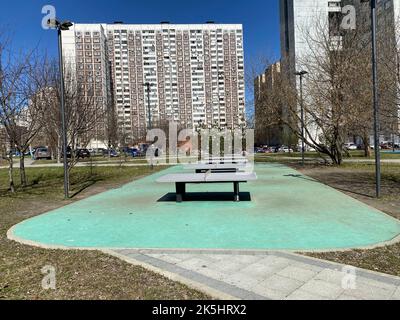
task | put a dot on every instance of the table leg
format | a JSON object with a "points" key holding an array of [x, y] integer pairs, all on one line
{"points": [[236, 191], [180, 191]]}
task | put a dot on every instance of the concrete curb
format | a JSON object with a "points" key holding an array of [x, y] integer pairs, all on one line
{"points": [[215, 294]]}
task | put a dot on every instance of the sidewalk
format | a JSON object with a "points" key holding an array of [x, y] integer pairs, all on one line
{"points": [[266, 275]]}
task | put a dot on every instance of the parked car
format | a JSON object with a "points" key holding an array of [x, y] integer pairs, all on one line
{"points": [[351, 146], [269, 150], [42, 153], [136, 153], [143, 147], [126, 150], [69, 152], [285, 149], [82, 153], [79, 153], [112, 153], [258, 150], [97, 152], [386, 146]]}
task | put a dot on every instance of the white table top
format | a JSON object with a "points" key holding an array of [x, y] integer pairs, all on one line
{"points": [[215, 166], [208, 177]]}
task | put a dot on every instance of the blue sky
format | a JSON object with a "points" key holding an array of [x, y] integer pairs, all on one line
{"points": [[260, 18]]}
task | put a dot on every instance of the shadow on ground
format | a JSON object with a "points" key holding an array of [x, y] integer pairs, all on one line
{"points": [[207, 196]]}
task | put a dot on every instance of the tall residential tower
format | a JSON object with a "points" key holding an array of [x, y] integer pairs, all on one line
{"points": [[195, 73], [299, 19]]}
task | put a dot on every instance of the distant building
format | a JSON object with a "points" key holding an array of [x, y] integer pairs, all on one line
{"points": [[195, 73], [266, 132], [297, 16], [388, 33]]}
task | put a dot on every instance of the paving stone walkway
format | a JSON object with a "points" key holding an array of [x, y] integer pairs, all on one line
{"points": [[267, 275]]}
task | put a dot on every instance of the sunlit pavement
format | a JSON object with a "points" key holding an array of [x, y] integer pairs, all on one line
{"points": [[267, 276]]}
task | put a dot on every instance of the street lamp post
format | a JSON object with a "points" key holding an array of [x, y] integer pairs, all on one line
{"points": [[62, 26], [301, 74], [148, 88], [376, 102]]}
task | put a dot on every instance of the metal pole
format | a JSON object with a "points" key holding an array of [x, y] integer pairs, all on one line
{"points": [[148, 105], [376, 102], [63, 122], [302, 121]]}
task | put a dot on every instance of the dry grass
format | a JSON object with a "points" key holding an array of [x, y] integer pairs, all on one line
{"points": [[80, 274]]}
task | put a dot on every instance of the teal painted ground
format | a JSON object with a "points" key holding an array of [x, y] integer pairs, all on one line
{"points": [[287, 211]]}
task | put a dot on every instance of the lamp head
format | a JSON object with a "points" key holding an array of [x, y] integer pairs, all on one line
{"points": [[301, 73], [55, 24], [66, 25]]}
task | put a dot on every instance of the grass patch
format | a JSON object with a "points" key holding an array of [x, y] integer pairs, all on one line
{"points": [[80, 274], [385, 259], [96, 160], [359, 155]]}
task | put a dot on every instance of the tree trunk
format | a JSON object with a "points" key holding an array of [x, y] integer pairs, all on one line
{"points": [[339, 157], [367, 151], [336, 155], [11, 173], [59, 150], [367, 147], [22, 171]]}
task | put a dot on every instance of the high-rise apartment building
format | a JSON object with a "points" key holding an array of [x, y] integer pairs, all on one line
{"points": [[298, 18], [194, 73]]}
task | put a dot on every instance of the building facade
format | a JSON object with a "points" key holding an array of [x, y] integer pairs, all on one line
{"points": [[148, 75], [267, 132], [297, 18], [301, 16], [388, 40]]}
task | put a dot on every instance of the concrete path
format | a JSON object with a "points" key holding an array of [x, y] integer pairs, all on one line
{"points": [[266, 275]]}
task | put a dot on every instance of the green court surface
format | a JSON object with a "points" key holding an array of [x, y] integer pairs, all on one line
{"points": [[287, 211]]}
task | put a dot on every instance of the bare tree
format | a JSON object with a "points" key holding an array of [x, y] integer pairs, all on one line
{"points": [[337, 91], [14, 79], [86, 115]]}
